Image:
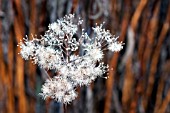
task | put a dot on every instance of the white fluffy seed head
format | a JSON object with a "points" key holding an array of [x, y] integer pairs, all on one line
{"points": [[115, 46], [96, 54], [58, 89], [57, 49]]}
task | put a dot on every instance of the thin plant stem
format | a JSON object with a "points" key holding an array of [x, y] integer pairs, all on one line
{"points": [[64, 108]]}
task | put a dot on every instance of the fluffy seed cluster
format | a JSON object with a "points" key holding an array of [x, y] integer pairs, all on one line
{"points": [[77, 61]]}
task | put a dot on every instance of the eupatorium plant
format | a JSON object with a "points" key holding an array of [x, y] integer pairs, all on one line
{"points": [[76, 61]]}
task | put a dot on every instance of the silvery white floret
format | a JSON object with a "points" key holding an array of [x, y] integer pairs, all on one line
{"points": [[58, 50], [27, 49], [116, 46], [94, 52], [58, 89]]}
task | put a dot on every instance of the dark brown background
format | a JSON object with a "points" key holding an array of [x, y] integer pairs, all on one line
{"points": [[139, 81]]}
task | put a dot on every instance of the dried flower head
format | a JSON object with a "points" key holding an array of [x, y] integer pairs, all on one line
{"points": [[57, 50]]}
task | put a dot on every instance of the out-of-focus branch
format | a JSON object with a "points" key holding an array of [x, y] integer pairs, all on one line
{"points": [[19, 80], [129, 79], [112, 65], [128, 90], [130, 45], [99, 13], [149, 48], [32, 68], [156, 55], [116, 102], [165, 103], [159, 94], [137, 14]]}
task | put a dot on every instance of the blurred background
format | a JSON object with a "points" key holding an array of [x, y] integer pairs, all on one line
{"points": [[139, 81]]}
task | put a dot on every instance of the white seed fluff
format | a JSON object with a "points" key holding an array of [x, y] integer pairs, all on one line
{"points": [[57, 50]]}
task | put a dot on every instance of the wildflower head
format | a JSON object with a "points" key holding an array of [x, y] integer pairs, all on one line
{"points": [[56, 50], [58, 89]]}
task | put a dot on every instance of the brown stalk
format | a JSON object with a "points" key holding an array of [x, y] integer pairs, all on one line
{"points": [[159, 94], [75, 5], [127, 86], [129, 76], [2, 77], [10, 76], [141, 49], [20, 89], [155, 58], [112, 65], [156, 54], [165, 103], [159, 100], [19, 80], [31, 67], [3, 97], [149, 48], [137, 14], [129, 79]]}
